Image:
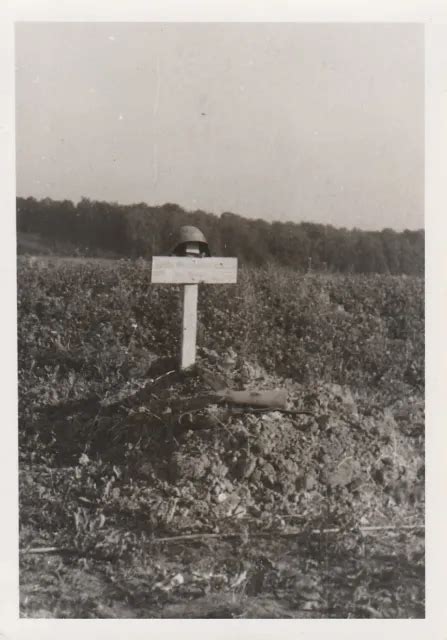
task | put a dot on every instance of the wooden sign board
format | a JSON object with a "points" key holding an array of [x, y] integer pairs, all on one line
{"points": [[173, 270]]}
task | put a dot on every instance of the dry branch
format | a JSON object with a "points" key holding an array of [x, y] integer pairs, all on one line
{"points": [[288, 534], [263, 534]]}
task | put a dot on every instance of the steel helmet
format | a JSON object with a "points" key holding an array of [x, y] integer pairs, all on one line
{"points": [[190, 234]]}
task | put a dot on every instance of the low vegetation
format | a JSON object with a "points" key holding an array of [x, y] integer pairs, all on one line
{"points": [[143, 496]]}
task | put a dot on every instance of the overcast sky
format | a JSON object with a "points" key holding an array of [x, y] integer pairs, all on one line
{"points": [[323, 123]]}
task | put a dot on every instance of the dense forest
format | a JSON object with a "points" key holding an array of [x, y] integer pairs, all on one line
{"points": [[108, 229]]}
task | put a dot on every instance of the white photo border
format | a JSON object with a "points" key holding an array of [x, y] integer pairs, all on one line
{"points": [[434, 16]]}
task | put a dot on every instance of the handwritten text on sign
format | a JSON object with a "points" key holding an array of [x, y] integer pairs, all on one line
{"points": [[173, 270]]}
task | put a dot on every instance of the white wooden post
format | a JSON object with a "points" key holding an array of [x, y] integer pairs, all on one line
{"points": [[189, 332], [191, 272]]}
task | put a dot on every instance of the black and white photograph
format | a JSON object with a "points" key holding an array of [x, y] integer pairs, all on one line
{"points": [[220, 244]]}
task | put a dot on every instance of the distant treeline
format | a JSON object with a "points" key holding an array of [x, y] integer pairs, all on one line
{"points": [[139, 230]]}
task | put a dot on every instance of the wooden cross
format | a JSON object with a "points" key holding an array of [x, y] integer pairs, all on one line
{"points": [[190, 272]]}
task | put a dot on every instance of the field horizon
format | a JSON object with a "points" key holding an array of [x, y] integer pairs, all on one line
{"points": [[105, 229]]}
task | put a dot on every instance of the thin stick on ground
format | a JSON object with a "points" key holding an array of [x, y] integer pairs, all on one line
{"points": [[264, 534]]}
